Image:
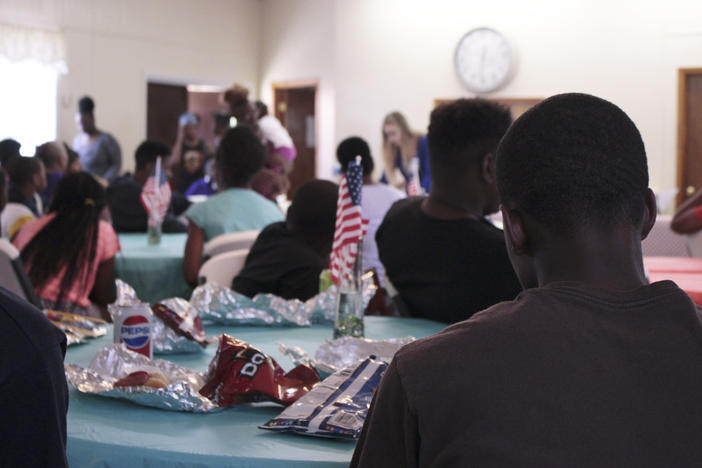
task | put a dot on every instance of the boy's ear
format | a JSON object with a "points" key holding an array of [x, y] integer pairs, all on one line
{"points": [[650, 212], [488, 169], [515, 233]]}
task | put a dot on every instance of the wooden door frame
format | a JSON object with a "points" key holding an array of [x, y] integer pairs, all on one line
{"points": [[683, 73], [297, 84]]}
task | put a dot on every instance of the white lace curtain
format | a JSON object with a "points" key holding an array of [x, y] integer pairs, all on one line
{"points": [[18, 43]]}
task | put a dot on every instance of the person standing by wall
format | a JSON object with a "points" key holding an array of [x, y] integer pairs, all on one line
{"points": [[99, 152]]}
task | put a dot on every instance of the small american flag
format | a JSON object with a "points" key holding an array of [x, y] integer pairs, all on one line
{"points": [[413, 186], [350, 225], [156, 198]]}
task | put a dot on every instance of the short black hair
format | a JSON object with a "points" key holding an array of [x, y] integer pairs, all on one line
{"points": [[239, 156], [22, 169], [313, 208], [352, 147], [9, 149], [148, 151], [262, 108], [464, 131], [49, 153], [86, 105], [573, 160]]}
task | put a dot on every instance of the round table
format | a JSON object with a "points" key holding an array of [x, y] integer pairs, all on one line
{"points": [[105, 432], [154, 271]]}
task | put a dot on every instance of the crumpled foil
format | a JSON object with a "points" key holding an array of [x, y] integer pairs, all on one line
{"points": [[115, 361], [222, 305], [166, 341], [334, 355]]}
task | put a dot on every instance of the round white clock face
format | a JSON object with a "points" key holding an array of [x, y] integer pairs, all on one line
{"points": [[483, 60]]}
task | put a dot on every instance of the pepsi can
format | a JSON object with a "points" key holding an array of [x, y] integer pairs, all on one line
{"points": [[133, 326]]}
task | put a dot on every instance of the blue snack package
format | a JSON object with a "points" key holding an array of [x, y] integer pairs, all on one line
{"points": [[336, 407]]}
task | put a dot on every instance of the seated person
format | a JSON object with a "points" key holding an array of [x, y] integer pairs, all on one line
{"points": [[3, 192], [55, 160], [688, 217], [590, 366], [207, 185], [124, 193], [236, 207], [376, 199], [9, 150], [190, 153], [27, 180], [288, 256], [32, 386], [70, 253], [440, 253]]}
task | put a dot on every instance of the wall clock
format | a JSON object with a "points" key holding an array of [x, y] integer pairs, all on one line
{"points": [[484, 60]]}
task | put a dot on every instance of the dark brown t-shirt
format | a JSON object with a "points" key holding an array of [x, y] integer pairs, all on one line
{"points": [[565, 375]]}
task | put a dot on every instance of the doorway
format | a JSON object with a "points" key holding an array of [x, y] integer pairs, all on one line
{"points": [[689, 132], [294, 105], [166, 102]]}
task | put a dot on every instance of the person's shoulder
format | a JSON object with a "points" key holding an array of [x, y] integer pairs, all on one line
{"points": [[109, 138], [406, 206], [123, 183], [385, 191], [483, 327], [24, 327]]}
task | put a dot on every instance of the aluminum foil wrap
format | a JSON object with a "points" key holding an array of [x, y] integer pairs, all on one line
{"points": [[334, 355], [165, 340], [222, 305], [115, 361], [126, 295]]}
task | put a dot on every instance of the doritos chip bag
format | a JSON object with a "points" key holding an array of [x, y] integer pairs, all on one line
{"points": [[240, 373]]}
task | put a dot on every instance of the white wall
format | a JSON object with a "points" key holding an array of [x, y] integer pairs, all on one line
{"points": [[298, 41], [113, 47], [398, 55]]}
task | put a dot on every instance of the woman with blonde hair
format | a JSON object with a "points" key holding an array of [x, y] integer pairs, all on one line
{"points": [[400, 147]]}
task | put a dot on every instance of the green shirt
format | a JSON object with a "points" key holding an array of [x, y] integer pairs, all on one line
{"points": [[233, 210]]}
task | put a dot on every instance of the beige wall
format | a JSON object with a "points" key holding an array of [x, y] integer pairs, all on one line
{"points": [[370, 57], [113, 47], [398, 55], [298, 42]]}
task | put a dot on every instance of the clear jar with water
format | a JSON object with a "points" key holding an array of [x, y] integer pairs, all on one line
{"points": [[349, 303]]}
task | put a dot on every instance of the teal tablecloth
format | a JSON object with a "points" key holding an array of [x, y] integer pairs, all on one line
{"points": [[154, 271], [109, 433]]}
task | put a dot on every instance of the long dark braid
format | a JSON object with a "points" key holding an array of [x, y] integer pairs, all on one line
{"points": [[70, 239]]}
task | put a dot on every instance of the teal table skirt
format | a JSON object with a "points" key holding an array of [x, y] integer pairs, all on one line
{"points": [[154, 271], [109, 433]]}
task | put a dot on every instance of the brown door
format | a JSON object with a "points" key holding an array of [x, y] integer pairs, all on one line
{"points": [[689, 132], [295, 108], [164, 104]]}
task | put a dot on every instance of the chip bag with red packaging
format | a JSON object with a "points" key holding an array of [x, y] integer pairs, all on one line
{"points": [[240, 373]]}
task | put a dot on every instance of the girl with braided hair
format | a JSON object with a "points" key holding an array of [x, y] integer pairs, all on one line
{"points": [[69, 254]]}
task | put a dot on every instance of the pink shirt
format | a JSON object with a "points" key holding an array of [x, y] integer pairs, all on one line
{"points": [[107, 247]]}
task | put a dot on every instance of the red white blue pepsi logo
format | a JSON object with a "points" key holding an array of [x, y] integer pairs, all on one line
{"points": [[136, 333]]}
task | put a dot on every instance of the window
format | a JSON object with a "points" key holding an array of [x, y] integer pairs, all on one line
{"points": [[28, 97]]}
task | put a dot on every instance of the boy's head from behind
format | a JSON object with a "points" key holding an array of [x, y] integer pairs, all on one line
{"points": [[463, 136], [148, 152], [312, 213], [27, 173], [239, 156], [571, 166]]}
